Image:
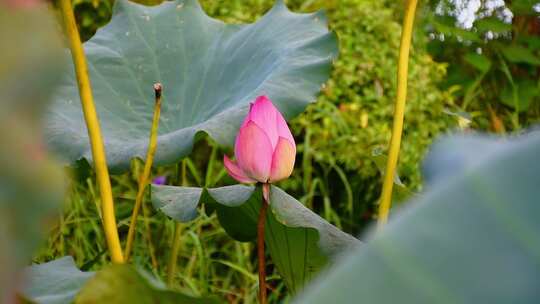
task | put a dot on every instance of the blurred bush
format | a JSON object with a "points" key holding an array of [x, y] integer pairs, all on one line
{"points": [[340, 134]]}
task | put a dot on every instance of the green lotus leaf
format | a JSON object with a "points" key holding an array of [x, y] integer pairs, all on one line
{"points": [[55, 282], [210, 71], [472, 237], [61, 282], [187, 211], [299, 241], [122, 284]]}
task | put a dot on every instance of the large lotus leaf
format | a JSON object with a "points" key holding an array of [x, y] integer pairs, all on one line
{"points": [[60, 282], [31, 185], [299, 241], [471, 238], [210, 72], [55, 282]]}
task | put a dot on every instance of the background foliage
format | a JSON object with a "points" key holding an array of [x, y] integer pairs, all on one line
{"points": [[340, 134], [494, 61], [341, 138]]}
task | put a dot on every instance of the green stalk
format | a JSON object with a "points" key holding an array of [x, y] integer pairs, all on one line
{"points": [[399, 112], [143, 179], [94, 132], [148, 236], [260, 244], [171, 269]]}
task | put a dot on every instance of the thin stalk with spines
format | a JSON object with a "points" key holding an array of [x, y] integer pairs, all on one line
{"points": [[94, 132], [260, 243], [143, 179], [399, 112], [171, 269]]}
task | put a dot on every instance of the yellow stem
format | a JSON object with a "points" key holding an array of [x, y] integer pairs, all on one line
{"points": [[399, 112], [171, 269], [143, 179], [94, 132]]}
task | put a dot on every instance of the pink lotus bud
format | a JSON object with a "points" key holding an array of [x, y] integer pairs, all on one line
{"points": [[264, 147]]}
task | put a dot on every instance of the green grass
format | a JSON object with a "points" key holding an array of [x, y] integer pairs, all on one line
{"points": [[209, 261]]}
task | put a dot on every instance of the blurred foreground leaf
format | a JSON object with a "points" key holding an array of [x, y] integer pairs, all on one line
{"points": [[210, 71], [60, 282], [121, 284], [31, 184], [299, 241], [471, 238]]}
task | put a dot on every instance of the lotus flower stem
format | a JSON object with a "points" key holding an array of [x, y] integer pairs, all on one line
{"points": [[94, 132], [171, 269], [143, 179], [399, 112], [260, 243]]}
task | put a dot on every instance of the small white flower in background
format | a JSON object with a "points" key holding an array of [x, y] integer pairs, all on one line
{"points": [[467, 12], [536, 7]]}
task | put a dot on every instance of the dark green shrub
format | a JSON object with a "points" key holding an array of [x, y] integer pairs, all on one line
{"points": [[495, 63]]}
